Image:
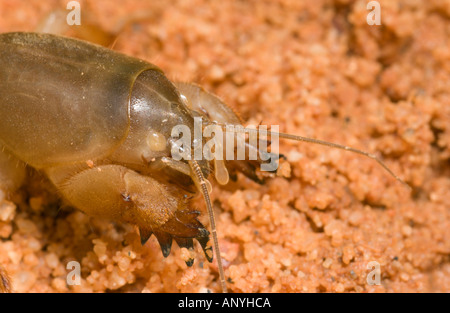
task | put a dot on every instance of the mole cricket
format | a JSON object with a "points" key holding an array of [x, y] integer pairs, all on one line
{"points": [[104, 128]]}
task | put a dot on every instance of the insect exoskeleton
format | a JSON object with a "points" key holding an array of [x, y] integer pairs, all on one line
{"points": [[118, 139], [99, 125]]}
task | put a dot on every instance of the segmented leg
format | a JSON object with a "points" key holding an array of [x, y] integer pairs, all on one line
{"points": [[116, 192]]}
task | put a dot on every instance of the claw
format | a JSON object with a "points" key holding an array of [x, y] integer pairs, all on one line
{"points": [[165, 241], [183, 228], [184, 225], [145, 234], [207, 249]]}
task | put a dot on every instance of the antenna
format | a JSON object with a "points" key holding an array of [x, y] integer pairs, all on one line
{"points": [[202, 185], [318, 142]]}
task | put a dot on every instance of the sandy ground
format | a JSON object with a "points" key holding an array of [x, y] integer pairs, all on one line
{"points": [[317, 69]]}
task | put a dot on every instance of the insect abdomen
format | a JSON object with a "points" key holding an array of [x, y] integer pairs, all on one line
{"points": [[65, 95]]}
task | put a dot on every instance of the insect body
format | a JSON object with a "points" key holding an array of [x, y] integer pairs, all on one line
{"points": [[67, 104], [100, 125]]}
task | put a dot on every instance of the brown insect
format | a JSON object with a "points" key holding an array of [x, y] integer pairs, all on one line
{"points": [[99, 125]]}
